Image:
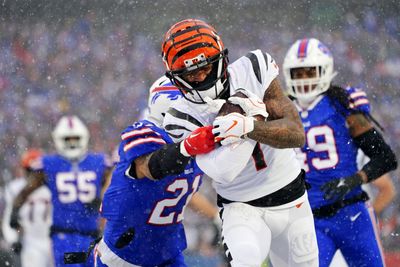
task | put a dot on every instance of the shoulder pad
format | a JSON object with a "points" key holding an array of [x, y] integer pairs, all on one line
{"points": [[352, 99]]}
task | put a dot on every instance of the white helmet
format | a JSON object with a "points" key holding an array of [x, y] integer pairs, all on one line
{"points": [[162, 94], [71, 137], [308, 53]]}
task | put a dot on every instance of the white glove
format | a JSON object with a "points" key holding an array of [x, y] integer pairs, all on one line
{"points": [[214, 105], [252, 106], [232, 128]]}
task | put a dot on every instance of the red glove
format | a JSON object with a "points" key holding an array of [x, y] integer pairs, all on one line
{"points": [[200, 141]]}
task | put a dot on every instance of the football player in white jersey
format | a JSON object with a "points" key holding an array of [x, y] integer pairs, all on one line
{"points": [[264, 208], [34, 215]]}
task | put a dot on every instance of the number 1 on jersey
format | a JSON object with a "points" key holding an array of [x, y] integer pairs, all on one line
{"points": [[258, 157]]}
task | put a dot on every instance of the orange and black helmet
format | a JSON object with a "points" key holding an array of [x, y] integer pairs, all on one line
{"points": [[189, 45], [30, 158]]}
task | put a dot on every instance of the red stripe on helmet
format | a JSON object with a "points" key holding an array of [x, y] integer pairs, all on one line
{"points": [[302, 52]]}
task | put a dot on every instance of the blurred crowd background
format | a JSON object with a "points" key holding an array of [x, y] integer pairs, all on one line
{"points": [[97, 59]]}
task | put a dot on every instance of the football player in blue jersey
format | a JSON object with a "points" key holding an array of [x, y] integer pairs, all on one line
{"points": [[337, 122], [144, 213], [75, 178]]}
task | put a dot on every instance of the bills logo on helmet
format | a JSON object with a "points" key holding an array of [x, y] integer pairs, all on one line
{"points": [[324, 49], [171, 92]]}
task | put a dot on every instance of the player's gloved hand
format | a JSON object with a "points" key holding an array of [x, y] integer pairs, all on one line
{"points": [[214, 105], [200, 141], [232, 128], [338, 188], [16, 247], [252, 105], [14, 220], [358, 100]]}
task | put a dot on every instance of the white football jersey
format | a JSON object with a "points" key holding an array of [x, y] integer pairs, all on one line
{"points": [[35, 214], [268, 169]]}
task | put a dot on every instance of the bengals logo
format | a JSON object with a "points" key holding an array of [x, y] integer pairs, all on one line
{"points": [[195, 61]]}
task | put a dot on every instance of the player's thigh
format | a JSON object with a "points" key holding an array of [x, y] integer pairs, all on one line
{"points": [[326, 245], [296, 245], [362, 246], [245, 236]]}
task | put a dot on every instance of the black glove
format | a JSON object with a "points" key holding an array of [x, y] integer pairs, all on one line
{"points": [[338, 188], [16, 247], [14, 220]]}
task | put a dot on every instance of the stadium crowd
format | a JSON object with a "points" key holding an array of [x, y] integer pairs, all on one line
{"points": [[103, 71]]}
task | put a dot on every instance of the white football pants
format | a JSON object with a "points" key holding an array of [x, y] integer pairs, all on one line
{"points": [[286, 235]]}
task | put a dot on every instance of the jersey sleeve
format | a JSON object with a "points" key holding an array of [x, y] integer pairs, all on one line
{"points": [[350, 100], [224, 164], [140, 139], [255, 71], [179, 123], [358, 100]]}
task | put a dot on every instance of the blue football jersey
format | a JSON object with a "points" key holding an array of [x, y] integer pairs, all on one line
{"points": [[329, 152], [74, 186], [153, 210]]}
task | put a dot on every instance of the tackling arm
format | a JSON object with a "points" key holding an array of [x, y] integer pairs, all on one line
{"points": [[283, 129], [172, 158]]}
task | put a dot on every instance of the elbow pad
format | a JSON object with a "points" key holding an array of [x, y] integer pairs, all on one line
{"points": [[382, 157], [167, 161]]}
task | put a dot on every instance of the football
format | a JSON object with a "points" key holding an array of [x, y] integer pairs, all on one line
{"points": [[231, 108], [228, 108]]}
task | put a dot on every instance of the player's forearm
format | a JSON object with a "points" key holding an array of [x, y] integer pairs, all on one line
{"points": [[34, 181], [281, 133], [382, 200], [21, 198]]}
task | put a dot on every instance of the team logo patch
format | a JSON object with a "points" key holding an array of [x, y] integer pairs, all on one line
{"points": [[172, 93], [324, 49], [195, 61]]}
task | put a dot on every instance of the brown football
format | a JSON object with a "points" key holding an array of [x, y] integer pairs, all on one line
{"points": [[230, 108]]}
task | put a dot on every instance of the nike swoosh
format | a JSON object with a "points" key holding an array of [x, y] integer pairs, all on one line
{"points": [[194, 135], [233, 125], [341, 183], [353, 218]]}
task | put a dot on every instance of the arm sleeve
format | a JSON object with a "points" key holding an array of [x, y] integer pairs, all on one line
{"points": [[167, 161], [225, 163], [382, 157]]}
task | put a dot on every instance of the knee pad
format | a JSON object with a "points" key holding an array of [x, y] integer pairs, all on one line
{"points": [[249, 256], [303, 242]]}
